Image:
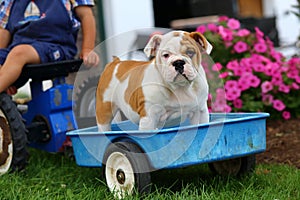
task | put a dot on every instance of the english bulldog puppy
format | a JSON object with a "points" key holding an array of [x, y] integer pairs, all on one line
{"points": [[157, 93]]}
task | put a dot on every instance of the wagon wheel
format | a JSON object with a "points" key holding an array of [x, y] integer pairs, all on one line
{"points": [[13, 140], [235, 167], [126, 169]]}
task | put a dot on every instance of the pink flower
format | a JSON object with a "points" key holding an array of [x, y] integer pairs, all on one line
{"points": [[217, 108], [276, 55], [201, 29], [209, 98], [238, 71], [232, 90], [246, 62], [226, 34], [278, 105], [228, 38], [230, 84], [236, 68], [260, 47], [293, 73], [228, 109], [261, 58], [246, 78], [238, 103], [254, 81], [271, 68], [293, 62], [286, 115], [232, 64], [217, 67], [295, 86], [259, 67], [240, 47], [267, 99], [212, 27], [219, 104], [233, 94], [266, 87], [269, 43], [252, 70], [221, 107], [243, 83], [277, 79], [223, 75], [233, 24], [223, 18], [220, 93], [259, 33], [243, 33], [284, 88]]}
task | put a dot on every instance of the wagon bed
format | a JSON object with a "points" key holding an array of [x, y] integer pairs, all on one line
{"points": [[226, 136]]}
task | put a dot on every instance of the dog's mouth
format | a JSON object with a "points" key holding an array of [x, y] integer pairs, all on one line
{"points": [[180, 78]]}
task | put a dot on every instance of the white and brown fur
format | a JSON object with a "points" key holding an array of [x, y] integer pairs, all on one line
{"points": [[155, 93]]}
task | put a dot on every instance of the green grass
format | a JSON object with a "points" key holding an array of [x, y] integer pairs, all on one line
{"points": [[53, 176]]}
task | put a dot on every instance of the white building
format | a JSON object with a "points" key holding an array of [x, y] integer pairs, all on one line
{"points": [[122, 16]]}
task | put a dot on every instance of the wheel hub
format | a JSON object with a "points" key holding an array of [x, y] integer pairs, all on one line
{"points": [[121, 176]]}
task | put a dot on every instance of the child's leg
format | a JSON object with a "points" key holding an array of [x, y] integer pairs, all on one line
{"points": [[5, 37], [16, 59]]}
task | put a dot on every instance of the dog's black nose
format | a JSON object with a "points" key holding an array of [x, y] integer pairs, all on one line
{"points": [[179, 65]]}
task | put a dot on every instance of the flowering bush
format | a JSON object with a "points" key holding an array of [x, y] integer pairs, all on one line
{"points": [[255, 76]]}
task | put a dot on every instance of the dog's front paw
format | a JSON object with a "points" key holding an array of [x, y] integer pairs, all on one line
{"points": [[103, 127], [147, 123]]}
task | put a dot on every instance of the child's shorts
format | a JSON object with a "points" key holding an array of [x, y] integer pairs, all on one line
{"points": [[3, 55], [48, 52]]}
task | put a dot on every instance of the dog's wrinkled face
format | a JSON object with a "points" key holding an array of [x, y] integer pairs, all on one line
{"points": [[178, 55]]}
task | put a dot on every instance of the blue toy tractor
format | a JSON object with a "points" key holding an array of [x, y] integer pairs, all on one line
{"points": [[46, 119]]}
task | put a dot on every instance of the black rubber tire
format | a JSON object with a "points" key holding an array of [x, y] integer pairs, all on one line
{"points": [[246, 165], [17, 131], [138, 161], [84, 97]]}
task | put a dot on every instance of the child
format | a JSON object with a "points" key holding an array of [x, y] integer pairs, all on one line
{"points": [[44, 31]]}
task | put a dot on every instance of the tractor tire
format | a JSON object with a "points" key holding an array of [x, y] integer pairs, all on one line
{"points": [[13, 138], [85, 98]]}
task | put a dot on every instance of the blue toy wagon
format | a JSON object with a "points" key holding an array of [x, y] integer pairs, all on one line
{"points": [[228, 143]]}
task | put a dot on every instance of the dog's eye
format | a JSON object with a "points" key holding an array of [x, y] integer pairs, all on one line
{"points": [[190, 53], [166, 55]]}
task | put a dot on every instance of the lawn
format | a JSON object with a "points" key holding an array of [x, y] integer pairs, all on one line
{"points": [[54, 176]]}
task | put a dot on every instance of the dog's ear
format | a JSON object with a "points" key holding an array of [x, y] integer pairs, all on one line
{"points": [[152, 45], [199, 38]]}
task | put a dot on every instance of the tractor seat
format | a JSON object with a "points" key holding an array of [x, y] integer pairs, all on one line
{"points": [[51, 70], [48, 71]]}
